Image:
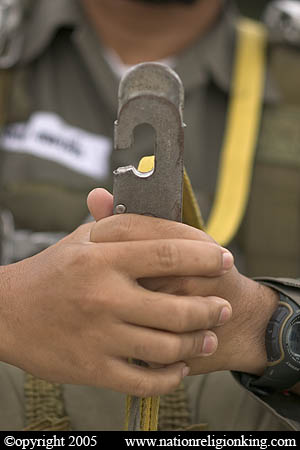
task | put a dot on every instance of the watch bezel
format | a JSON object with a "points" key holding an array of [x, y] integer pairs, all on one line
{"points": [[284, 372], [295, 356]]}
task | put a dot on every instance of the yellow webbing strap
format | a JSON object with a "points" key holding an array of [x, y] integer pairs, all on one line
{"points": [[236, 160], [240, 139], [241, 133]]}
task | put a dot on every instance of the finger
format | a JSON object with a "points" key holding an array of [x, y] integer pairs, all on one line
{"points": [[100, 203], [178, 285], [166, 257], [175, 313], [220, 286], [145, 382], [173, 285], [132, 227], [163, 347]]}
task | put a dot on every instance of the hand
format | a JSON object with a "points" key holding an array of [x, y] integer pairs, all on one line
{"points": [[241, 341], [75, 313]]}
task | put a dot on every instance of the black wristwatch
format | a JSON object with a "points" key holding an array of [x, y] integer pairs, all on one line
{"points": [[283, 351]]}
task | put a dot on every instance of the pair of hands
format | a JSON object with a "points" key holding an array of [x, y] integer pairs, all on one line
{"points": [[132, 287]]}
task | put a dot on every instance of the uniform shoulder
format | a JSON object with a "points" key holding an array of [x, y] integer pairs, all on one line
{"points": [[282, 19], [11, 15], [28, 26], [279, 137]]}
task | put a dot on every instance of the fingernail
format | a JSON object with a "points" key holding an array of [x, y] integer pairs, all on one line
{"points": [[227, 260], [185, 371], [224, 315], [209, 344]]}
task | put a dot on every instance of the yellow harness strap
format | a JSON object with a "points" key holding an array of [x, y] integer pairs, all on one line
{"points": [[240, 139], [236, 160]]}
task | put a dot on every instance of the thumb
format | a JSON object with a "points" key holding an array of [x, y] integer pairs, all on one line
{"points": [[100, 203]]}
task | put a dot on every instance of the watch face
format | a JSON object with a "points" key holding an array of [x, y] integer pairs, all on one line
{"points": [[293, 338]]}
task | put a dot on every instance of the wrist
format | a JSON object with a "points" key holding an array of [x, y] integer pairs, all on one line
{"points": [[282, 347], [261, 302]]}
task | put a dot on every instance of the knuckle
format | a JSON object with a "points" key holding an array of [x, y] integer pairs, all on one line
{"points": [[212, 311], [213, 263], [95, 232], [89, 304], [202, 236], [170, 228], [116, 228], [185, 285], [181, 318], [168, 257], [85, 227], [92, 372], [174, 350], [218, 261], [208, 313], [142, 387], [79, 256], [175, 382], [141, 351], [123, 227], [195, 344], [147, 300]]}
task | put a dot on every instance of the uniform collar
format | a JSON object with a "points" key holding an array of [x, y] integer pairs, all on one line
{"points": [[208, 59], [211, 57]]}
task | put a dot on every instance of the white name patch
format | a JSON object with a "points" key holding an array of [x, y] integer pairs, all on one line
{"points": [[47, 136]]}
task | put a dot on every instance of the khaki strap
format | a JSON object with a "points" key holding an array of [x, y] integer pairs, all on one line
{"points": [[174, 412], [236, 161], [44, 406]]}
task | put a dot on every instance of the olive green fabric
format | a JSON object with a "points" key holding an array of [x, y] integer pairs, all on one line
{"points": [[5, 90], [272, 222], [64, 72], [252, 8]]}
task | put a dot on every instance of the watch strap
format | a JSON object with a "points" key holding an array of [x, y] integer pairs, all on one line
{"points": [[280, 374]]}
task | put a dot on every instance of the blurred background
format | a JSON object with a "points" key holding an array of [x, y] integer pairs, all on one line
{"points": [[252, 8]]}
